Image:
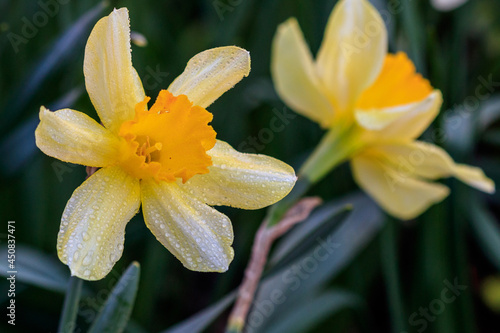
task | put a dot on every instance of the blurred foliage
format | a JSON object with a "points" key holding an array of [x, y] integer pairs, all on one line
{"points": [[381, 275]]}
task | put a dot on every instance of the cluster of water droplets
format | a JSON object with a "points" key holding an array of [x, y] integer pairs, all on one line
{"points": [[211, 73], [93, 223], [242, 180], [198, 235]]}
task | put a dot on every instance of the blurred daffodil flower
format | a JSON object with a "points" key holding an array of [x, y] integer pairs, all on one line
{"points": [[447, 5], [374, 106], [165, 158]]}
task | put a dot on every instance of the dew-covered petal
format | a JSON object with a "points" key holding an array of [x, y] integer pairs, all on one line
{"points": [[352, 52], [211, 73], [295, 77], [247, 181], [112, 83], [198, 235], [425, 160], [74, 137], [398, 193], [93, 224]]}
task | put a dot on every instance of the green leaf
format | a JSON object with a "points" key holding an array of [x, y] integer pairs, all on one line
{"points": [[390, 271], [67, 322], [36, 268], [303, 237], [306, 315], [489, 112], [414, 31], [492, 137], [115, 313], [332, 253], [486, 230], [63, 49], [22, 137], [359, 228], [202, 319]]}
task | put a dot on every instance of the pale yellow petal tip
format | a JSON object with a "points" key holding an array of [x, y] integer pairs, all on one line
{"points": [[440, 193], [290, 23], [474, 177], [120, 11], [211, 267], [248, 62], [238, 51], [43, 112], [487, 186]]}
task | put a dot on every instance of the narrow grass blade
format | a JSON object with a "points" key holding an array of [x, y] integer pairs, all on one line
{"points": [[36, 268], [487, 231], [201, 320], [67, 323], [115, 313]]}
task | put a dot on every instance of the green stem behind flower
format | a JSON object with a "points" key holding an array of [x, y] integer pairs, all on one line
{"points": [[70, 307], [335, 148], [390, 270]]}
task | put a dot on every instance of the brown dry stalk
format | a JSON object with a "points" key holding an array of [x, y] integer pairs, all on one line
{"points": [[90, 171], [262, 244]]}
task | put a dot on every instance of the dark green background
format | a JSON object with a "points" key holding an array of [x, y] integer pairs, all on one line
{"points": [[398, 270]]}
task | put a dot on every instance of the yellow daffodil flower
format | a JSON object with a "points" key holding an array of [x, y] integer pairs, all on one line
{"points": [[165, 158], [374, 105]]}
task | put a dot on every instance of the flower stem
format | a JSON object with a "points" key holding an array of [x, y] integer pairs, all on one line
{"points": [[262, 244], [67, 323], [333, 149]]}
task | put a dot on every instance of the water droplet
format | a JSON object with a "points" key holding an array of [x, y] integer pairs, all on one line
{"points": [[87, 259]]}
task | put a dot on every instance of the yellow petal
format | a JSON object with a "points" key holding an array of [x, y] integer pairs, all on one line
{"points": [[475, 177], [406, 121], [74, 137], [352, 52], [398, 194], [247, 181], [198, 235], [211, 73], [93, 224], [112, 83], [426, 160], [295, 77]]}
